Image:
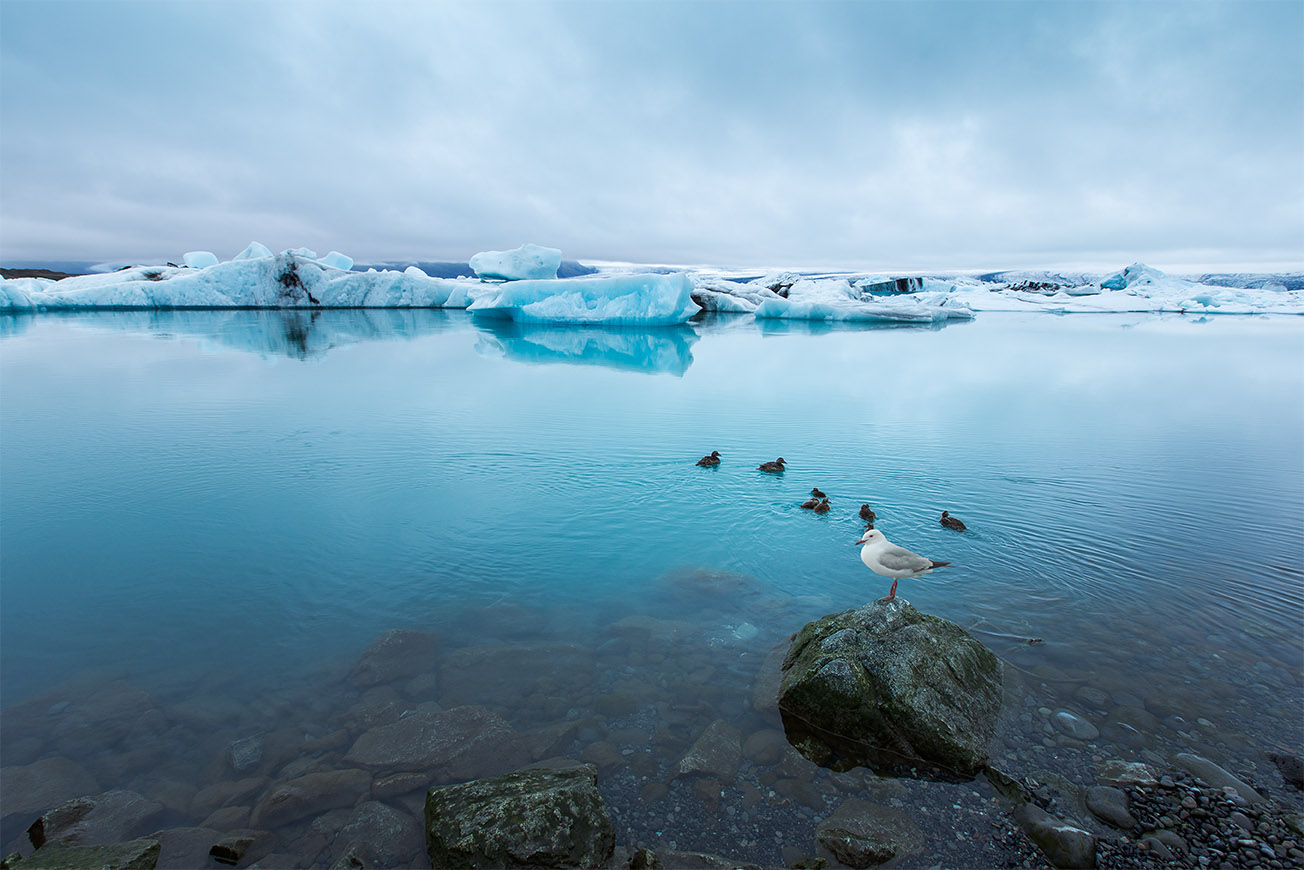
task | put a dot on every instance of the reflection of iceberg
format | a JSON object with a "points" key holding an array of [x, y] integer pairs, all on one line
{"points": [[666, 350], [294, 333]]}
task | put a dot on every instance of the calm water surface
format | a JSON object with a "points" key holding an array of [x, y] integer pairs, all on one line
{"points": [[221, 510]]}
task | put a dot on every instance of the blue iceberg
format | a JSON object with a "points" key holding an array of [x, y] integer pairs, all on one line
{"points": [[619, 300]]}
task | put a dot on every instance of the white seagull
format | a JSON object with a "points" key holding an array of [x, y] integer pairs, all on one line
{"points": [[884, 557]]}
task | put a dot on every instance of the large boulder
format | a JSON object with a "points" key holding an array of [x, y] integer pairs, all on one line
{"points": [[887, 686], [530, 818]]}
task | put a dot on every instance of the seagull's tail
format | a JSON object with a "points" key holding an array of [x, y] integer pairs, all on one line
{"points": [[933, 564]]}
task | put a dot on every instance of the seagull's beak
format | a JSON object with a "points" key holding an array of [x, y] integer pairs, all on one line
{"points": [[858, 543]]}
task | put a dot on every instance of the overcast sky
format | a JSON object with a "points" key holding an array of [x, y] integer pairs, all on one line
{"points": [[870, 135]]}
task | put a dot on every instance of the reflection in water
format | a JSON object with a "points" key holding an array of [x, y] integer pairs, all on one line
{"points": [[295, 333], [662, 350], [788, 326]]}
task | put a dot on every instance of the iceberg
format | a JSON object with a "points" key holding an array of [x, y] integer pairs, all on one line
{"points": [[336, 260], [284, 281], [719, 294], [199, 259], [525, 263], [647, 300], [836, 299], [255, 251]]}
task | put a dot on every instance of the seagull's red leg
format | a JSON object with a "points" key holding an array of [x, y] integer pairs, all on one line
{"points": [[890, 595]]}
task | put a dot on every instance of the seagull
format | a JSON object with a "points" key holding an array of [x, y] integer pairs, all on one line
{"points": [[810, 504], [816, 492], [867, 513], [775, 467], [822, 507], [884, 557], [951, 522], [713, 459]]}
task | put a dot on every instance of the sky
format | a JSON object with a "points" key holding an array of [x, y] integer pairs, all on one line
{"points": [[829, 135]]}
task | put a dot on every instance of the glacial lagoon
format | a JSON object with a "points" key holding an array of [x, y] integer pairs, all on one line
{"points": [[208, 516]]}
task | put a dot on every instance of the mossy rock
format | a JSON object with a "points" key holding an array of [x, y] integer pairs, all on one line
{"points": [[141, 854], [530, 818], [891, 688]]}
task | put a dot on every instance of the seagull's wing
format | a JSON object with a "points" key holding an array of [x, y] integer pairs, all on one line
{"points": [[896, 558]]}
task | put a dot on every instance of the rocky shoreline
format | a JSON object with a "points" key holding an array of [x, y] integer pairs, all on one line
{"points": [[682, 769]]}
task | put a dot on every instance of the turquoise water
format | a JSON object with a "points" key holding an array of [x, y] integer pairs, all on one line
{"points": [[235, 502]]}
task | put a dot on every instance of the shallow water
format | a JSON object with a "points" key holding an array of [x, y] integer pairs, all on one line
{"points": [[226, 508]]}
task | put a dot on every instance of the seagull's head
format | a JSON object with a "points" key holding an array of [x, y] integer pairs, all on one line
{"points": [[871, 536]]}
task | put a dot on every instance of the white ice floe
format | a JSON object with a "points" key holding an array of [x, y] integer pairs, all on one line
{"points": [[525, 263], [620, 300], [719, 294]]}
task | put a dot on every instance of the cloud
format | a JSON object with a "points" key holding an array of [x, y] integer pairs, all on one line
{"points": [[879, 135]]}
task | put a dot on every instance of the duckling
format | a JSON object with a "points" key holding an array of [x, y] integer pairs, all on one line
{"points": [[810, 504], [712, 460], [822, 507], [867, 513], [951, 522], [816, 492], [775, 467]]}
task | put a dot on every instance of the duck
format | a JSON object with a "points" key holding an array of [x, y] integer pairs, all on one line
{"points": [[884, 557], [810, 504], [951, 522], [713, 459], [823, 507], [816, 492], [867, 513], [775, 467]]}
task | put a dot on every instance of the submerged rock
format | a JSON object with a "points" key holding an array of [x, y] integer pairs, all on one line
{"points": [[461, 743], [863, 834], [1064, 844], [34, 788], [1216, 776], [538, 818], [310, 795], [139, 854], [888, 685], [95, 820], [716, 752], [1109, 804], [394, 655]]}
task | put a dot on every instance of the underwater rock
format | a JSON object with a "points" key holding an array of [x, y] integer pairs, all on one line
{"points": [[185, 847], [1074, 726], [226, 793], [461, 743], [245, 754], [1216, 776], [95, 820], [310, 795], [141, 854], [1063, 844], [503, 674], [1110, 806], [543, 818], [395, 655], [34, 788], [381, 836], [1119, 772], [887, 685], [1291, 768], [863, 834], [716, 752]]}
